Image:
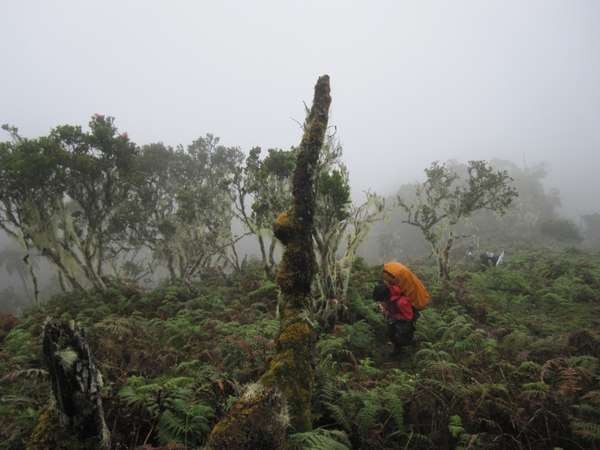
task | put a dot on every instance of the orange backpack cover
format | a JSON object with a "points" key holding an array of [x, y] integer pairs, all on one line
{"points": [[400, 275]]}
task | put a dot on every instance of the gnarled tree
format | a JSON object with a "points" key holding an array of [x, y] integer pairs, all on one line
{"points": [[180, 205], [61, 194], [444, 199], [262, 189], [340, 228]]}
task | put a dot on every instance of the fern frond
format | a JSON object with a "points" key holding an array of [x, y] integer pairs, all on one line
{"points": [[40, 374], [536, 390], [367, 415], [418, 440], [319, 439], [586, 430], [393, 404], [339, 414]]}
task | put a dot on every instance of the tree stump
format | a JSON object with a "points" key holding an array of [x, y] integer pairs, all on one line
{"points": [[76, 384]]}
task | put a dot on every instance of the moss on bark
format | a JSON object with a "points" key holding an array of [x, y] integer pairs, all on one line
{"points": [[50, 434], [257, 421], [291, 370], [76, 384]]}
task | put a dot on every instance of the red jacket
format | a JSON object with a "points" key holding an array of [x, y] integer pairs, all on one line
{"points": [[398, 307]]}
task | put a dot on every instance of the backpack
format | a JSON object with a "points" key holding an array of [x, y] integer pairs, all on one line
{"points": [[398, 274]]}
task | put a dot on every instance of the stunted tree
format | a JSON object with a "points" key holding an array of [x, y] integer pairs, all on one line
{"points": [[98, 174], [525, 219], [61, 195], [262, 189], [31, 193], [444, 199], [340, 227], [180, 207], [529, 216], [91, 201]]}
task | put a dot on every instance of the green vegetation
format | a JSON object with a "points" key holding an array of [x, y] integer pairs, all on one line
{"points": [[508, 358], [229, 353], [445, 199]]}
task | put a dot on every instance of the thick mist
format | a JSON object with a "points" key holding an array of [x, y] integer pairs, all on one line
{"points": [[411, 82]]}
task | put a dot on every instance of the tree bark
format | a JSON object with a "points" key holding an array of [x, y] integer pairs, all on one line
{"points": [[263, 254], [34, 280], [76, 384], [291, 370], [444, 259]]}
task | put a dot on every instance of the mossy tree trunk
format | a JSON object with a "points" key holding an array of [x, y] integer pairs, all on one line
{"points": [[291, 371], [76, 384]]}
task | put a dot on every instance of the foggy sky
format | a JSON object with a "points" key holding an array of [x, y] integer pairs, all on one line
{"points": [[412, 82]]}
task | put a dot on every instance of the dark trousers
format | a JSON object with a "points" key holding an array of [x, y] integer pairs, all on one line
{"points": [[401, 333]]}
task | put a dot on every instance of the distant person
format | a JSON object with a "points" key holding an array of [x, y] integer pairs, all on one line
{"points": [[399, 314], [470, 251], [490, 259]]}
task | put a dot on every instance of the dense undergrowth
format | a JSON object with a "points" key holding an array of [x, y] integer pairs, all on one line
{"points": [[506, 358]]}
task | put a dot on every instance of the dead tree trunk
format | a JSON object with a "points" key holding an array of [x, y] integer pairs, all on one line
{"points": [[76, 383], [291, 370]]}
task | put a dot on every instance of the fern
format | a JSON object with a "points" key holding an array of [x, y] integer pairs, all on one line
{"points": [[15, 375], [373, 415], [170, 402], [330, 346], [418, 440], [585, 422], [185, 423], [456, 427], [366, 369], [536, 390], [319, 439], [21, 345], [359, 337], [331, 396], [529, 369], [152, 397], [119, 327], [391, 397], [366, 417], [590, 431]]}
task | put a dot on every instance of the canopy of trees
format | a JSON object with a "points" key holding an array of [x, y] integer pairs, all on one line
{"points": [[531, 217], [444, 199]]}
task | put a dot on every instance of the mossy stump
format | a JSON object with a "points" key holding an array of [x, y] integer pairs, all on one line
{"points": [[258, 420], [76, 384], [50, 434]]}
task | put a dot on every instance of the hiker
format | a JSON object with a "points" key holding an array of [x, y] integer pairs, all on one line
{"points": [[490, 259], [403, 286], [399, 314], [470, 251]]}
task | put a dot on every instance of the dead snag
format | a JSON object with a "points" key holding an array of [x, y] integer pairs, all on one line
{"points": [[291, 370], [76, 384]]}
